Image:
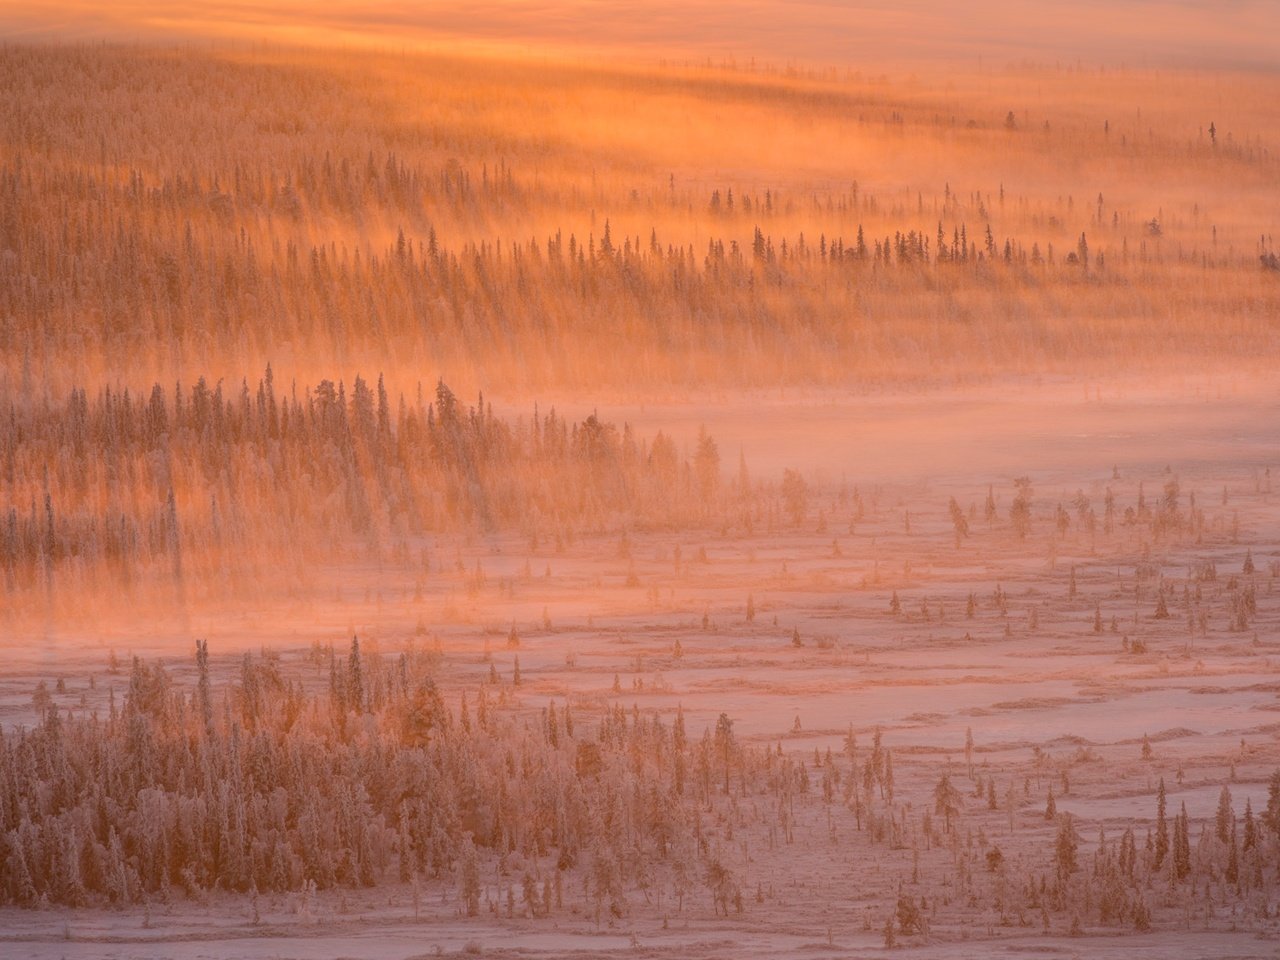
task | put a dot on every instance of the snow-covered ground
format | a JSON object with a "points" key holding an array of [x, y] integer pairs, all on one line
{"points": [[1050, 702]]}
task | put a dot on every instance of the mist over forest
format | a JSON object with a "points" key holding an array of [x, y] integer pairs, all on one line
{"points": [[548, 479]]}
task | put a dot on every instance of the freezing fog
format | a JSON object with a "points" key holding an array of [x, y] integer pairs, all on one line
{"points": [[614, 492]]}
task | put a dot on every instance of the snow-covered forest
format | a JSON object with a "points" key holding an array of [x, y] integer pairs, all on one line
{"points": [[504, 502], [354, 771]]}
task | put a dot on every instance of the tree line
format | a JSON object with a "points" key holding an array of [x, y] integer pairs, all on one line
{"points": [[195, 482]]}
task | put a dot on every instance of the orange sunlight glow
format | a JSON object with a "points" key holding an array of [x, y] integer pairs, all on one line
{"points": [[1238, 33], [662, 478]]}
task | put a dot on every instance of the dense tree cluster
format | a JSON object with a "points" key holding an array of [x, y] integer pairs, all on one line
{"points": [[373, 778], [349, 769], [206, 478]]}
